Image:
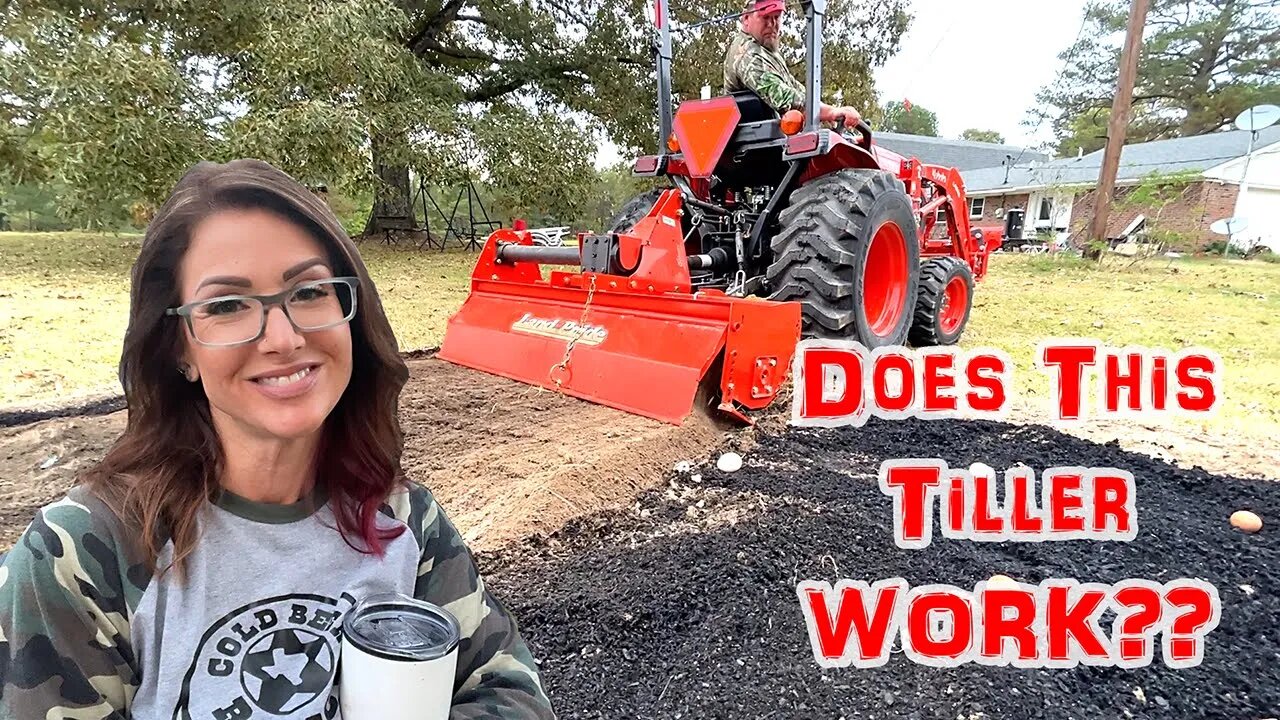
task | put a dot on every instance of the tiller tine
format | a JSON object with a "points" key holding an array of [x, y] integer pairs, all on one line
{"points": [[625, 331]]}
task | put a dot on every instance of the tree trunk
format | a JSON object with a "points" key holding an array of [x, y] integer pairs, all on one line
{"points": [[392, 206]]}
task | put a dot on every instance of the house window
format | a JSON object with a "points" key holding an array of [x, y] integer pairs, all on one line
{"points": [[1046, 209], [976, 206]]}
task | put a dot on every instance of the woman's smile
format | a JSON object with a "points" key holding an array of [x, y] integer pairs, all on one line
{"points": [[288, 383]]}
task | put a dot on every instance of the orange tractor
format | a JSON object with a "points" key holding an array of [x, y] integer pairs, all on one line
{"points": [[773, 229]]}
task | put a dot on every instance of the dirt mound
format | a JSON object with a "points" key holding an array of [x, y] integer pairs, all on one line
{"points": [[38, 462], [685, 605], [505, 459], [508, 459]]}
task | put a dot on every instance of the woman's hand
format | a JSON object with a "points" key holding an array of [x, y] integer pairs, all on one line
{"points": [[496, 674]]}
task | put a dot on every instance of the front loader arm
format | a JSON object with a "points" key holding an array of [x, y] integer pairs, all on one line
{"points": [[949, 196]]}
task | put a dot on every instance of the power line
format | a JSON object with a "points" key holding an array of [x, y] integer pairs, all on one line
{"points": [[951, 21], [1075, 44]]}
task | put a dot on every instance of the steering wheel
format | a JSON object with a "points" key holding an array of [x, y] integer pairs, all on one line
{"points": [[861, 126]]}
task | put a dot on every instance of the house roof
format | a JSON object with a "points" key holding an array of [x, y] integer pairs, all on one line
{"points": [[1188, 154], [962, 154]]}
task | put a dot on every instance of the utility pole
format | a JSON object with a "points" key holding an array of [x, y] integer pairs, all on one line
{"points": [[1116, 128]]}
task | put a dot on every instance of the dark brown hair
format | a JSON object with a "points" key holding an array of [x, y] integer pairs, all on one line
{"points": [[166, 464]]}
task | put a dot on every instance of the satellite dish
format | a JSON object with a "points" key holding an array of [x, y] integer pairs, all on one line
{"points": [[1258, 117], [1229, 226]]}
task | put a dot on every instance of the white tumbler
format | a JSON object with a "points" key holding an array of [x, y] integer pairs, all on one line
{"points": [[399, 656]]}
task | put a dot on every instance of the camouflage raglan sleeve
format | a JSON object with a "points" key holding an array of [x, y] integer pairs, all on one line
{"points": [[773, 85], [748, 66], [496, 676], [65, 601]]}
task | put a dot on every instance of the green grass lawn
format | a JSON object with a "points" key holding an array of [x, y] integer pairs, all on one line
{"points": [[64, 305], [1229, 306]]}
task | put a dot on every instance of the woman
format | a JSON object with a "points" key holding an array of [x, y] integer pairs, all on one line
{"points": [[202, 568]]}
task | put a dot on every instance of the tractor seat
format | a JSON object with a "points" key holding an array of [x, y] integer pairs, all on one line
{"points": [[752, 108]]}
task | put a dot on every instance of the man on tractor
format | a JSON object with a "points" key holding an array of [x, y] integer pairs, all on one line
{"points": [[773, 228], [752, 62]]}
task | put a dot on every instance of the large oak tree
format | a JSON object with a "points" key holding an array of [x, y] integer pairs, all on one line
{"points": [[112, 99]]}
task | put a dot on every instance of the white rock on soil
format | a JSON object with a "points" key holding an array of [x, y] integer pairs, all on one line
{"points": [[982, 469], [684, 466], [729, 462]]}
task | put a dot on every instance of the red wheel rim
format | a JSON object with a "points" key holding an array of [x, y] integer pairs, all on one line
{"points": [[884, 285], [955, 299]]}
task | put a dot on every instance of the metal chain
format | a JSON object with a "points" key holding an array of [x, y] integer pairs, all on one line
{"points": [[582, 324]]}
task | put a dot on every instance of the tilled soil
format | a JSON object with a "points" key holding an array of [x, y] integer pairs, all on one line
{"points": [[506, 460], [684, 606]]}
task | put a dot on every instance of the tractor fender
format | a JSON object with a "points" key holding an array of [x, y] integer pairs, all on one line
{"points": [[841, 155]]}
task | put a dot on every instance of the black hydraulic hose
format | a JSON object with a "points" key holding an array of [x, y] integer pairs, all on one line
{"points": [[771, 207], [693, 200]]}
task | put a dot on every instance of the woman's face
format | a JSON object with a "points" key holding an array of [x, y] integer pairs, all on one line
{"points": [[284, 384]]}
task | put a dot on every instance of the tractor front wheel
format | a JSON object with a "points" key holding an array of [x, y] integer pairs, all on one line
{"points": [[848, 251], [943, 302]]}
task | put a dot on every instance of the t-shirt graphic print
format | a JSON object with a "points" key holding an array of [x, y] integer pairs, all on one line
{"points": [[277, 656]]}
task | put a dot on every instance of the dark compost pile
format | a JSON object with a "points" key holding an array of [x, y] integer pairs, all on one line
{"points": [[685, 605]]}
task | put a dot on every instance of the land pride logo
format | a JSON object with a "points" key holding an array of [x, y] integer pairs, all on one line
{"points": [[273, 658], [562, 329]]}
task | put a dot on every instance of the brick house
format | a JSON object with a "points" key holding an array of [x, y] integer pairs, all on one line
{"points": [[964, 155], [1059, 195]]}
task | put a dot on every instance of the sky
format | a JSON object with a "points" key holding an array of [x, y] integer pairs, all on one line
{"points": [[975, 63], [979, 63]]}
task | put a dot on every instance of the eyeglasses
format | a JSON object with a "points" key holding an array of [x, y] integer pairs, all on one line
{"points": [[230, 320]]}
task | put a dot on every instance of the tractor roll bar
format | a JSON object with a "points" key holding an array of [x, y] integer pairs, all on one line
{"points": [[663, 50], [814, 10]]}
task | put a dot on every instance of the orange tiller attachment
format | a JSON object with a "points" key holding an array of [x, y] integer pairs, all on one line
{"points": [[626, 332]]}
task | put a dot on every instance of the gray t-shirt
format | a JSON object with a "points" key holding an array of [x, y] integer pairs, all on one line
{"points": [[252, 631]]}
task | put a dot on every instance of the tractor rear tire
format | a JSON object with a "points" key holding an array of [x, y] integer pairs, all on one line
{"points": [[848, 250], [633, 211], [943, 302]]}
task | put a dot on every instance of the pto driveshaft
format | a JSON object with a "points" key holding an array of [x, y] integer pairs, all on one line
{"points": [[515, 252]]}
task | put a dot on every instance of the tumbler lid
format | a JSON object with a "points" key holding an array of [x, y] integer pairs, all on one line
{"points": [[397, 627]]}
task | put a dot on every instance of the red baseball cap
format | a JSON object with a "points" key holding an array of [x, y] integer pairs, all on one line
{"points": [[764, 7]]}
